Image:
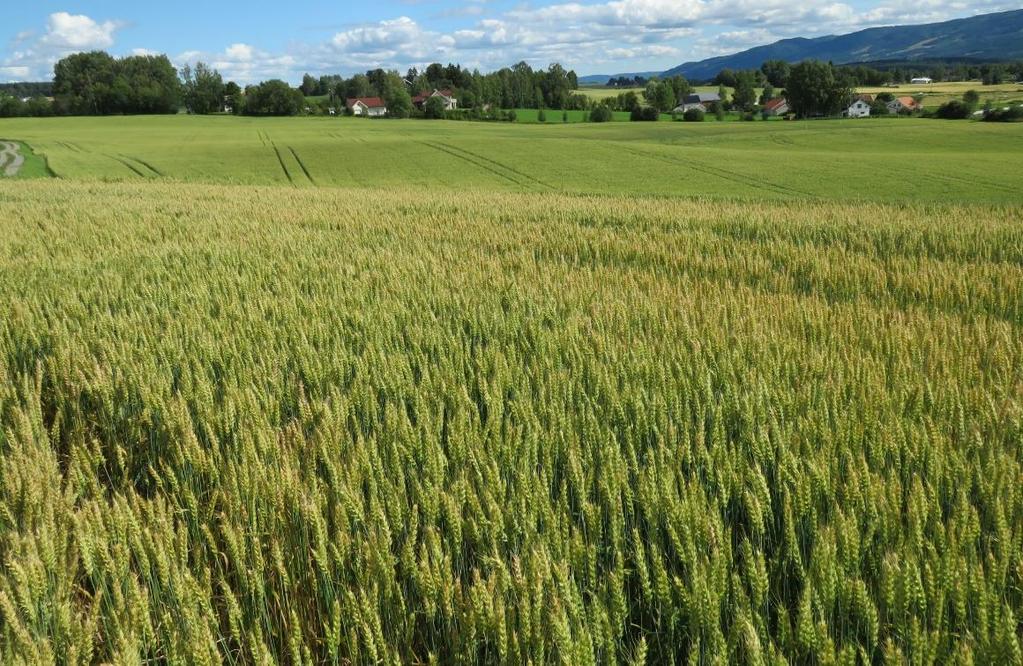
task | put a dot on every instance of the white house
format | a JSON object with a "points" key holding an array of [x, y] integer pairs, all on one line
{"points": [[371, 107], [448, 97], [922, 80], [778, 106], [682, 108], [858, 109]]}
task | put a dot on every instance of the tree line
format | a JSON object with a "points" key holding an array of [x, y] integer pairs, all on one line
{"points": [[519, 86], [776, 73], [97, 83]]}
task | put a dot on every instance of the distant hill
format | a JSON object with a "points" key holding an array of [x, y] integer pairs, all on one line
{"points": [[988, 37], [602, 79]]}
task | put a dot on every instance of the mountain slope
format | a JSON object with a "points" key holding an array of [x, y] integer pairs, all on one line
{"points": [[989, 36]]}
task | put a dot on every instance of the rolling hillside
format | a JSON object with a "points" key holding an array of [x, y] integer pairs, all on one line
{"points": [[996, 36]]}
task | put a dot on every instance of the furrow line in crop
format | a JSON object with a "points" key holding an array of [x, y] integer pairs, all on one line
{"points": [[301, 165]]}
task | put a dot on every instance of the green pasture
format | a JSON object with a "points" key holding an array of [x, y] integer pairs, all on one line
{"points": [[877, 159], [578, 116]]}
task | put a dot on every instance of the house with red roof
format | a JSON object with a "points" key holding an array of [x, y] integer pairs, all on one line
{"points": [[371, 107], [446, 95], [903, 104], [778, 106]]}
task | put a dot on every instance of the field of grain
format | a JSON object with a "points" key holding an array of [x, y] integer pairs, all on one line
{"points": [[936, 94], [882, 159], [343, 391], [315, 425], [601, 92]]}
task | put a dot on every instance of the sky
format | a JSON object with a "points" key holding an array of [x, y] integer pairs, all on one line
{"points": [[259, 39]]}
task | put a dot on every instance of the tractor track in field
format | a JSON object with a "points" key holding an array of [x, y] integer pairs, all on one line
{"points": [[948, 179], [505, 166], [73, 147], [301, 164], [284, 167], [718, 172], [475, 163], [10, 158], [144, 164], [123, 162], [491, 166]]}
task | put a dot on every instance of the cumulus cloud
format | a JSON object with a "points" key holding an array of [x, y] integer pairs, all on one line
{"points": [[240, 52], [605, 35], [33, 57], [243, 63], [77, 32]]}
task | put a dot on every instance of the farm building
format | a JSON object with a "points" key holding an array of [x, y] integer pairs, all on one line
{"points": [[450, 101], [858, 109], [778, 106], [699, 101], [922, 79], [371, 107], [903, 104]]}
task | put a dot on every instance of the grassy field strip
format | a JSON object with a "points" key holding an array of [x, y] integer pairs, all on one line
{"points": [[884, 160]]}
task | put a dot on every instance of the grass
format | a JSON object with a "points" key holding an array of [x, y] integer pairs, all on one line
{"points": [[344, 391], [529, 116], [34, 166], [879, 159]]}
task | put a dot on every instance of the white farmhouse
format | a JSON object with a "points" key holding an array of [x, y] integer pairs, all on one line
{"points": [[446, 96], [922, 80], [858, 109], [371, 107]]}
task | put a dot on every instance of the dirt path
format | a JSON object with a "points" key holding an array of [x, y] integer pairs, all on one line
{"points": [[10, 159]]}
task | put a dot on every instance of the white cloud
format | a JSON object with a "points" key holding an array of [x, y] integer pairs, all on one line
{"points": [[65, 34], [239, 52], [243, 63], [607, 35], [78, 32]]}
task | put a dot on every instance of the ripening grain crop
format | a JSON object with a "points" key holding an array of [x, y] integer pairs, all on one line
{"points": [[348, 426]]}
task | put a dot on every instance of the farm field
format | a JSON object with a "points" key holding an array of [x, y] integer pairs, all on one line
{"points": [[606, 93], [875, 159], [345, 391], [936, 94]]}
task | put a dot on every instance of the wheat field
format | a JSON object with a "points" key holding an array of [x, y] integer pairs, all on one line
{"points": [[880, 159], [255, 425]]}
